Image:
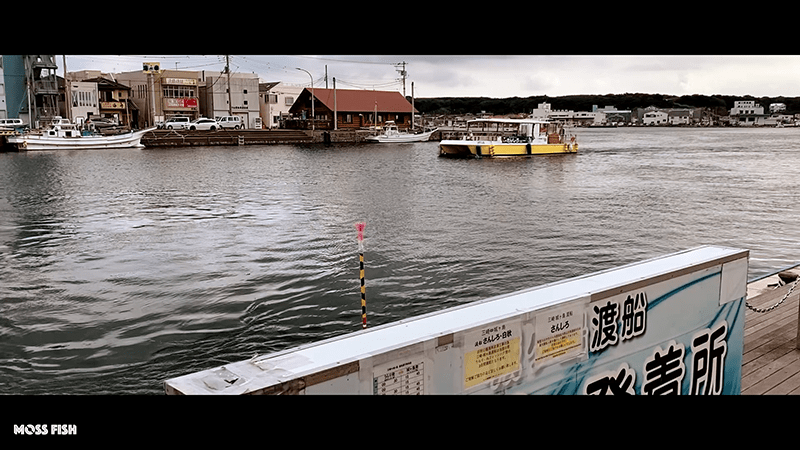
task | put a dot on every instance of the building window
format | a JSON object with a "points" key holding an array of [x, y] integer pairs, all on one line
{"points": [[83, 98], [178, 91], [289, 101]]}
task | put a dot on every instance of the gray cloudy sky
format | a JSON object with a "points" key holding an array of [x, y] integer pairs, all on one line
{"points": [[498, 76]]}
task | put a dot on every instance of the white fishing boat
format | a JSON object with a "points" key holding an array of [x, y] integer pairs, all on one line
{"points": [[65, 136], [510, 137], [391, 133]]}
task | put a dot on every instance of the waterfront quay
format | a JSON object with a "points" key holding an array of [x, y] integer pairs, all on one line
{"points": [[180, 138], [771, 354]]}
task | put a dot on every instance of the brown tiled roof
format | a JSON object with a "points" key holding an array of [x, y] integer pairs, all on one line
{"points": [[350, 100]]}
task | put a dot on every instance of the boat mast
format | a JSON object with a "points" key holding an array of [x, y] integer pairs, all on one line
{"points": [[412, 105], [335, 119]]}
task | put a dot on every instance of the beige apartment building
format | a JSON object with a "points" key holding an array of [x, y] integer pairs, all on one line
{"points": [[160, 95]]}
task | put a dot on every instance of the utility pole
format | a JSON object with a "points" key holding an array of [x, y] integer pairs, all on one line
{"points": [[403, 74], [335, 119], [312, 98], [152, 98], [67, 96], [228, 71]]}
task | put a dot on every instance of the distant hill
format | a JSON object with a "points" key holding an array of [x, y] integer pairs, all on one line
{"points": [[500, 106]]}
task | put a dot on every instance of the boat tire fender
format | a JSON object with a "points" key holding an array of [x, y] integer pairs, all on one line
{"points": [[528, 148], [478, 151]]}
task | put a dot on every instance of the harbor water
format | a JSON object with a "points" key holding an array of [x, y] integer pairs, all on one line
{"points": [[120, 269]]}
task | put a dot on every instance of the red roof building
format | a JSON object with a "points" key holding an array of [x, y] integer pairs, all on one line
{"points": [[353, 108]]}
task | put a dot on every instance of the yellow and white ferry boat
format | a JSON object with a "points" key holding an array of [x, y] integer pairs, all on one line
{"points": [[487, 138]]}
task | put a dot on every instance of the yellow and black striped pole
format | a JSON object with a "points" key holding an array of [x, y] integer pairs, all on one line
{"points": [[360, 227]]}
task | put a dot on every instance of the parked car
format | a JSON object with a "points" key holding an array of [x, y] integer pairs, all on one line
{"points": [[177, 123], [204, 124], [234, 122]]}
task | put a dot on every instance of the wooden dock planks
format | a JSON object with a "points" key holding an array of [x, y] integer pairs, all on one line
{"points": [[771, 359]]}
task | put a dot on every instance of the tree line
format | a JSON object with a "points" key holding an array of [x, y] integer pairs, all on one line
{"points": [[719, 104]]}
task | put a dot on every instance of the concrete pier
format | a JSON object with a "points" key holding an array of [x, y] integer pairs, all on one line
{"points": [[771, 356], [179, 138]]}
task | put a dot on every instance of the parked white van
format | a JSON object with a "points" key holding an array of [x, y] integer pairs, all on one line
{"points": [[234, 122], [176, 123]]}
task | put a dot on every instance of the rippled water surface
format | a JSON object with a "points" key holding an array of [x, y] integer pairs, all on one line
{"points": [[121, 269]]}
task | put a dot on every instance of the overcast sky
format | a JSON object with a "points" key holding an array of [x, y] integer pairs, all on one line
{"points": [[497, 76]]}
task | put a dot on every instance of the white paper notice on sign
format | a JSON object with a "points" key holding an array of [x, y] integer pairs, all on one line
{"points": [[559, 332], [400, 378]]}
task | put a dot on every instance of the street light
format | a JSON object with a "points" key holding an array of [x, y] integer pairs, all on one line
{"points": [[312, 96]]}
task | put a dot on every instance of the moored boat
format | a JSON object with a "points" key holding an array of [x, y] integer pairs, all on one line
{"points": [[392, 134], [68, 137], [530, 138]]}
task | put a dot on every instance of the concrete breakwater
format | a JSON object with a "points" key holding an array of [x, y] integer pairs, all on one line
{"points": [[178, 138]]}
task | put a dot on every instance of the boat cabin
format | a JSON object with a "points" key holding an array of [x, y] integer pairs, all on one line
{"points": [[515, 131], [389, 128], [60, 127]]}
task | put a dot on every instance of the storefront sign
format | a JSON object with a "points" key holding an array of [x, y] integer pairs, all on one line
{"points": [[112, 105], [180, 81], [180, 103]]}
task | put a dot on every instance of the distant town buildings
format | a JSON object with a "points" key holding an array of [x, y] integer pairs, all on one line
{"points": [[30, 89], [744, 113]]}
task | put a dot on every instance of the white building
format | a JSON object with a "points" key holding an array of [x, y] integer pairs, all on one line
{"points": [[274, 100], [655, 118], [84, 101], [542, 112], [590, 118], [748, 113], [563, 116], [680, 117], [748, 107]]}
